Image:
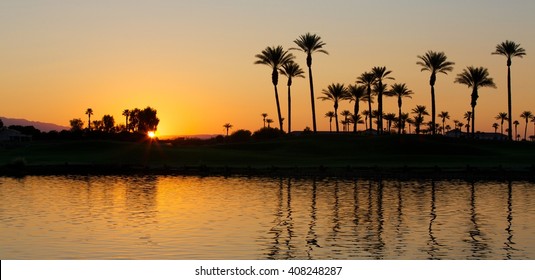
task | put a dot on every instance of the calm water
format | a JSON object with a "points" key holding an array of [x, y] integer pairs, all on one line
{"points": [[159, 217]]}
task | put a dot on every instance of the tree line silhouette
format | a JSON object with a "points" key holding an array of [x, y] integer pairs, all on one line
{"points": [[372, 84]]}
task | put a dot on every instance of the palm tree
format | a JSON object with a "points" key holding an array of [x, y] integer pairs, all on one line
{"points": [[516, 123], [526, 115], [345, 114], [533, 121], [509, 49], [274, 57], [330, 115], [367, 79], [404, 119], [380, 73], [399, 91], [420, 111], [502, 116], [390, 117], [475, 77], [355, 119], [310, 43], [495, 126], [227, 126], [291, 70], [269, 122], [468, 116], [444, 115], [366, 114], [89, 112], [264, 116], [126, 114], [434, 62], [335, 93], [356, 94]]}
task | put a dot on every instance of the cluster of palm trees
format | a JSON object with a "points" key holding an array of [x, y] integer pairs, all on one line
{"points": [[372, 84]]}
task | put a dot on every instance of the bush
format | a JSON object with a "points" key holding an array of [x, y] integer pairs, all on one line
{"points": [[241, 135], [267, 133]]}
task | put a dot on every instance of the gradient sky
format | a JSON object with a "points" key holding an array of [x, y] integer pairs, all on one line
{"points": [[193, 60]]}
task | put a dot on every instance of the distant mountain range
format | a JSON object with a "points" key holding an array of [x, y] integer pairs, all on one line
{"points": [[44, 127]]}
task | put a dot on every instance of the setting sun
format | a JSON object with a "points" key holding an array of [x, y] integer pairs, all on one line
{"points": [[151, 134]]}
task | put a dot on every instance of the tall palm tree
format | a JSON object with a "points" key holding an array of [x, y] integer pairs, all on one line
{"points": [[89, 112], [380, 74], [310, 43], [126, 114], [264, 116], [516, 123], [274, 57], [227, 126], [434, 62], [443, 115], [420, 111], [345, 114], [400, 91], [475, 77], [526, 115], [291, 70], [330, 115], [356, 94], [502, 116], [468, 116], [367, 79], [495, 126], [335, 93], [509, 49]]}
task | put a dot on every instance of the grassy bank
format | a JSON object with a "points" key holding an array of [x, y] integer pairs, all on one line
{"points": [[307, 151]]}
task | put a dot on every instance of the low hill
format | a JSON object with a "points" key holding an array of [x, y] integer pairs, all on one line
{"points": [[44, 127]]}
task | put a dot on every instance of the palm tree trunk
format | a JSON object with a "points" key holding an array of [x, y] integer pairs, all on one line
{"points": [[370, 107], [336, 118], [278, 107], [356, 113], [473, 120], [312, 99], [289, 110], [433, 112], [509, 109], [399, 114], [380, 113], [526, 130]]}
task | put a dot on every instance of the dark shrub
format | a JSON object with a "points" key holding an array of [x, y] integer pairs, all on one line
{"points": [[267, 133], [241, 135]]}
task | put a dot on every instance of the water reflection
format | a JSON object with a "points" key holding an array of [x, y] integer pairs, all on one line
{"points": [[258, 218]]}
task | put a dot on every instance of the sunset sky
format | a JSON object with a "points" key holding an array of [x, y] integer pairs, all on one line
{"points": [[193, 60]]}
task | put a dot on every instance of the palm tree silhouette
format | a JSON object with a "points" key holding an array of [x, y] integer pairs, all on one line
{"points": [[516, 123], [434, 62], [356, 94], [380, 73], [367, 79], [291, 70], [126, 114], [502, 116], [345, 114], [275, 57], [269, 122], [310, 43], [420, 111], [89, 112], [475, 77], [390, 117], [495, 126], [509, 49], [526, 115], [264, 116], [227, 126], [468, 116], [355, 119], [399, 91], [335, 93], [330, 115], [444, 115], [533, 121]]}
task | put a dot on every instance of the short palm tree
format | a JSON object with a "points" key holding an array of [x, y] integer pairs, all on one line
{"points": [[400, 91], [468, 117], [335, 93], [516, 123], [495, 126], [310, 43], [380, 74], [264, 116], [367, 79], [390, 118], [434, 62], [274, 57], [420, 111], [345, 114], [527, 115], [356, 94], [443, 115], [126, 114], [509, 49], [291, 70], [502, 116], [89, 112], [366, 114], [330, 115], [475, 77], [355, 120], [269, 122], [227, 126]]}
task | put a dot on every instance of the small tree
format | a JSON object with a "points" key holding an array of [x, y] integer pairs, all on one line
{"points": [[76, 125]]}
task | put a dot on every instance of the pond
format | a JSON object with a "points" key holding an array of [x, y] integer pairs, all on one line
{"points": [[237, 218]]}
